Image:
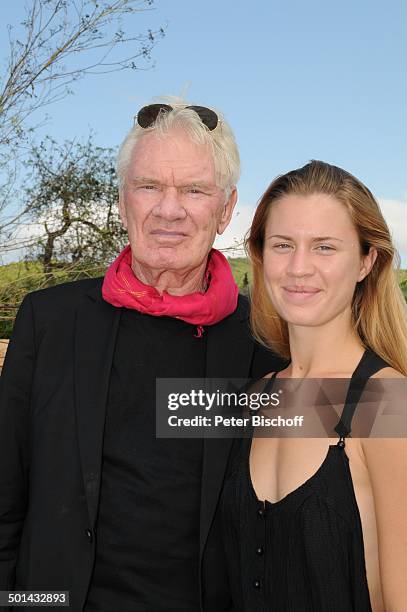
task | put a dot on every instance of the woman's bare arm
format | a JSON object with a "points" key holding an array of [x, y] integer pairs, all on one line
{"points": [[386, 460]]}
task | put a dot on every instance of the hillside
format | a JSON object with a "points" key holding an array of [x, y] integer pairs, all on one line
{"points": [[17, 279], [27, 275]]}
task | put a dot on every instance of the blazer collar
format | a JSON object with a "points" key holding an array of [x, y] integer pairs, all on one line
{"points": [[229, 355], [95, 338]]}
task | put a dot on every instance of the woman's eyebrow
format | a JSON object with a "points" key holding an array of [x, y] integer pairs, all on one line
{"points": [[320, 238], [279, 236], [316, 239]]}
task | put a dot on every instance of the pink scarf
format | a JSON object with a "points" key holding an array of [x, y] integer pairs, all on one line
{"points": [[122, 288]]}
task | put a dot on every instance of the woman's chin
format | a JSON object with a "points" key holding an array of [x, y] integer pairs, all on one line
{"points": [[306, 317]]}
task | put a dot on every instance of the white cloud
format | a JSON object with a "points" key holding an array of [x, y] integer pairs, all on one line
{"points": [[395, 213], [15, 247], [234, 233]]}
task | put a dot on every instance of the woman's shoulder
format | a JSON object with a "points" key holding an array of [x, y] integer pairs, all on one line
{"points": [[378, 365], [388, 372]]}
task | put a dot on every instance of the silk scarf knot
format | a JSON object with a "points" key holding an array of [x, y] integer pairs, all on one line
{"points": [[122, 288]]}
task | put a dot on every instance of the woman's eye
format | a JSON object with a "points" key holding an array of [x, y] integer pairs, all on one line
{"points": [[282, 246], [325, 247]]}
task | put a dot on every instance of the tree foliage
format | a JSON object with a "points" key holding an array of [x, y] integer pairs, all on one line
{"points": [[58, 43], [73, 197]]}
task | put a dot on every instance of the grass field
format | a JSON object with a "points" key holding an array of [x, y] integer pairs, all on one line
{"points": [[17, 279], [28, 275]]}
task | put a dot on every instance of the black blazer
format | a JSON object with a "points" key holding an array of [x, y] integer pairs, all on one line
{"points": [[53, 393]]}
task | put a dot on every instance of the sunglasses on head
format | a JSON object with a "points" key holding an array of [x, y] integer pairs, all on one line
{"points": [[147, 115]]}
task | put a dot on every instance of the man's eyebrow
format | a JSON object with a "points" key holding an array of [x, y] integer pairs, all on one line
{"points": [[202, 184], [144, 179], [188, 183], [316, 239]]}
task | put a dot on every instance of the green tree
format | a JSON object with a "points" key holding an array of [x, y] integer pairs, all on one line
{"points": [[74, 214], [58, 43]]}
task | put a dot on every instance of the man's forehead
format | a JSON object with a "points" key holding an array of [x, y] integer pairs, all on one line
{"points": [[175, 144], [179, 157], [142, 164]]}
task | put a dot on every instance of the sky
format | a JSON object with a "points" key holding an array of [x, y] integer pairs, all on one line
{"points": [[296, 80]]}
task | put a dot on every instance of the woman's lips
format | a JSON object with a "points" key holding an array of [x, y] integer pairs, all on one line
{"points": [[300, 293]]}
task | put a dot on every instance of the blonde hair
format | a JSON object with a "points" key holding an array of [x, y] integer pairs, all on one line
{"points": [[220, 141], [379, 311]]}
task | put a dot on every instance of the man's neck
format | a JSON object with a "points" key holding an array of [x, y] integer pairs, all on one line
{"points": [[174, 282]]}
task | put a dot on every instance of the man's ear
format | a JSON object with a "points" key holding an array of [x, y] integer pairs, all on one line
{"points": [[122, 208], [367, 263], [227, 211]]}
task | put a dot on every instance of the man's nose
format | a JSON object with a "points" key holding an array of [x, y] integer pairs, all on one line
{"points": [[170, 206], [301, 262]]}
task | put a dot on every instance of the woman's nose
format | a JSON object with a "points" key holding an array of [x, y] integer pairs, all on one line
{"points": [[301, 262]]}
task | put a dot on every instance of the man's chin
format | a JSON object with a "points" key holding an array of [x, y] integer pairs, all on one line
{"points": [[173, 263], [168, 258]]}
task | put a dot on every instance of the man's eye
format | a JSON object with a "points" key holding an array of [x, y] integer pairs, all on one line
{"points": [[194, 191], [146, 187]]}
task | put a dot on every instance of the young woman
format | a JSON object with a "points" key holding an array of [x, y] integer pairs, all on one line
{"points": [[314, 524]]}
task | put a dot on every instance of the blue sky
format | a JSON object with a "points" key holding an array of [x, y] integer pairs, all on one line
{"points": [[296, 80]]}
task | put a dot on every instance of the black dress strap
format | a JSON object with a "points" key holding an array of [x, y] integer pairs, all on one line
{"points": [[269, 384], [369, 365]]}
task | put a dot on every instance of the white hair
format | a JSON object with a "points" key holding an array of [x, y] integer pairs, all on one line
{"points": [[220, 141]]}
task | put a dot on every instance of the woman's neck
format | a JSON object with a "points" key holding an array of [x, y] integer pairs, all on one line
{"points": [[332, 350]]}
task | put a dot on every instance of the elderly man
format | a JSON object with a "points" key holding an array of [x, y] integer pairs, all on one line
{"points": [[90, 500]]}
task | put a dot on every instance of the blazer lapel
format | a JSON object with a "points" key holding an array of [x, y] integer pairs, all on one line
{"points": [[96, 331], [229, 354]]}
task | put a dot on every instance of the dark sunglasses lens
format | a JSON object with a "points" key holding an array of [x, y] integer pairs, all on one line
{"points": [[148, 114], [207, 116]]}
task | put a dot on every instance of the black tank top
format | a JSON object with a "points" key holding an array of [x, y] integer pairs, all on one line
{"points": [[305, 552]]}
